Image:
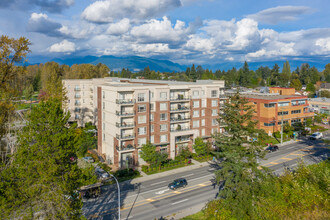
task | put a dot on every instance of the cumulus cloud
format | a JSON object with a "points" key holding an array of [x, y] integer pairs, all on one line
{"points": [[280, 14], [120, 27], [107, 11], [63, 47], [324, 45], [42, 24], [54, 6]]}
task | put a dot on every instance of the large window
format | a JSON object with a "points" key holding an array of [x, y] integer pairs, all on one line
{"points": [[281, 104], [270, 105], [141, 97], [195, 114], [151, 128], [163, 95], [203, 112], [295, 111], [214, 112], [214, 122], [203, 122], [142, 130], [203, 103], [214, 103], [163, 117], [195, 93], [151, 117], [283, 113], [163, 138], [196, 104], [163, 127], [152, 139], [196, 124], [203, 132], [142, 141], [214, 93], [142, 108], [142, 119], [163, 106], [152, 106], [269, 124]]}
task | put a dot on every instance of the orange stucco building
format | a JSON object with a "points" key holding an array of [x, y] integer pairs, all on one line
{"points": [[280, 104]]}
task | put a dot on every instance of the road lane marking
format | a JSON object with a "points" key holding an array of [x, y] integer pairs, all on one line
{"points": [[157, 183], [176, 192], [201, 185], [161, 192], [188, 175], [298, 154], [150, 200], [273, 163], [174, 203], [285, 158]]}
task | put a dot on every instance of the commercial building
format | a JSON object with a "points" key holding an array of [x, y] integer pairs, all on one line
{"points": [[280, 105], [320, 105], [130, 112]]}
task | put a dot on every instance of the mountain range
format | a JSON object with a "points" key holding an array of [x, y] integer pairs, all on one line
{"points": [[136, 63]]}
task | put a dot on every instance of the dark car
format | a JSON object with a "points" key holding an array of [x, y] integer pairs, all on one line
{"points": [[182, 182], [272, 148]]}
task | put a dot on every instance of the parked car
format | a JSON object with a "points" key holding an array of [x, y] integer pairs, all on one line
{"points": [[88, 159], [272, 148], [316, 135], [182, 182]]}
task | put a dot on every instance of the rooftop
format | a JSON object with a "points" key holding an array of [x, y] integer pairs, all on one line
{"points": [[320, 99]]}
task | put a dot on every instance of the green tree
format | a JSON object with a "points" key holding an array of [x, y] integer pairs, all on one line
{"points": [[151, 155], [325, 93], [310, 87], [199, 146], [295, 83], [28, 92], [326, 73], [193, 73], [239, 174], [43, 174]]}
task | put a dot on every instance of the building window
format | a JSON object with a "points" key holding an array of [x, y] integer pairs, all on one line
{"points": [[103, 127], [271, 105], [204, 103], [152, 139], [152, 106], [141, 97], [195, 114], [163, 138], [214, 122], [214, 103], [103, 94], [214, 130], [103, 114], [142, 141], [203, 122], [103, 105], [196, 104], [151, 95], [196, 124], [203, 132], [104, 137], [203, 112], [293, 121], [301, 102], [214, 93], [163, 95], [163, 127], [151, 117], [196, 94], [142, 108], [269, 124], [163, 106], [282, 104], [214, 112], [163, 117], [151, 128], [142, 119], [283, 113], [203, 92], [76, 116], [142, 130], [295, 111]]}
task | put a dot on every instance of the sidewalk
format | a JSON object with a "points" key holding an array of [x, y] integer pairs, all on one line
{"points": [[146, 177]]}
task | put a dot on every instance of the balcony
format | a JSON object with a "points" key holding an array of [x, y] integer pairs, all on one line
{"points": [[180, 109], [91, 96], [223, 96], [179, 119], [180, 140], [125, 101], [125, 148], [77, 110], [77, 89], [177, 129], [180, 98], [125, 136], [77, 103], [125, 125], [126, 113], [77, 96], [91, 90]]}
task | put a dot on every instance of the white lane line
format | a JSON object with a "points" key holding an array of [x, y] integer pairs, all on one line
{"points": [[129, 217], [188, 175], [179, 202], [157, 183]]}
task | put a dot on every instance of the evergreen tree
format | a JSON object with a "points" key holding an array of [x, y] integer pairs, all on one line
{"points": [[193, 74], [43, 175], [239, 174]]}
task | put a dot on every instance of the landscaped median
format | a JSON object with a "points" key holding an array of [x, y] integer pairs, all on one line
{"points": [[170, 165]]}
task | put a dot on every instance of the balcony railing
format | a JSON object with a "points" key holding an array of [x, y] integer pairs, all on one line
{"points": [[124, 148], [180, 119], [222, 96], [91, 96], [125, 136], [77, 103], [77, 96], [126, 113], [177, 129], [77, 110], [125, 124], [125, 101], [180, 98], [77, 89], [180, 109], [182, 139]]}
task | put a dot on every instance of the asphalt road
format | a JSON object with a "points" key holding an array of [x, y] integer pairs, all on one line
{"points": [[152, 199]]}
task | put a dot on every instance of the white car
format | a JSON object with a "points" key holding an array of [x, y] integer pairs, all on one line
{"points": [[316, 135]]}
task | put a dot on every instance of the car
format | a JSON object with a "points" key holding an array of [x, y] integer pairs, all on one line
{"points": [[182, 182], [316, 135], [272, 148], [88, 159]]}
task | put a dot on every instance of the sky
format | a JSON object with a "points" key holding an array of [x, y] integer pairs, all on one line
{"points": [[183, 31]]}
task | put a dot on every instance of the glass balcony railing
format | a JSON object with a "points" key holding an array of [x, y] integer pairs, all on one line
{"points": [[180, 98], [180, 109], [177, 129], [126, 147], [125, 124], [125, 136], [180, 119], [125, 101], [77, 89], [125, 113]]}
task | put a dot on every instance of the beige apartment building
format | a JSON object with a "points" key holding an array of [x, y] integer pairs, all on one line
{"points": [[130, 112]]}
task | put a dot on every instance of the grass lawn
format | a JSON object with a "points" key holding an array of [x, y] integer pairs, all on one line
{"points": [[196, 216]]}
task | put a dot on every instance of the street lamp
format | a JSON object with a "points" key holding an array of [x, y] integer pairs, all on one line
{"points": [[118, 195]]}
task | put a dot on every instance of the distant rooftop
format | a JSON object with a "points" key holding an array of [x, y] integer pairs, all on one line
{"points": [[325, 86], [320, 99]]}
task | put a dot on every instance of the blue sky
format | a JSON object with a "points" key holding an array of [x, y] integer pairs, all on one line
{"points": [[183, 31]]}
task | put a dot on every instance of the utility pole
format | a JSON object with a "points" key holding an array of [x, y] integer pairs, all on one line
{"points": [[282, 128]]}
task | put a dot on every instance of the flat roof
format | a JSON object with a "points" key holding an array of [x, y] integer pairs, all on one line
{"points": [[267, 96]]}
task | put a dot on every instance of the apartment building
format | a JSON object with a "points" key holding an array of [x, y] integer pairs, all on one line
{"points": [[280, 105], [320, 105], [130, 112]]}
